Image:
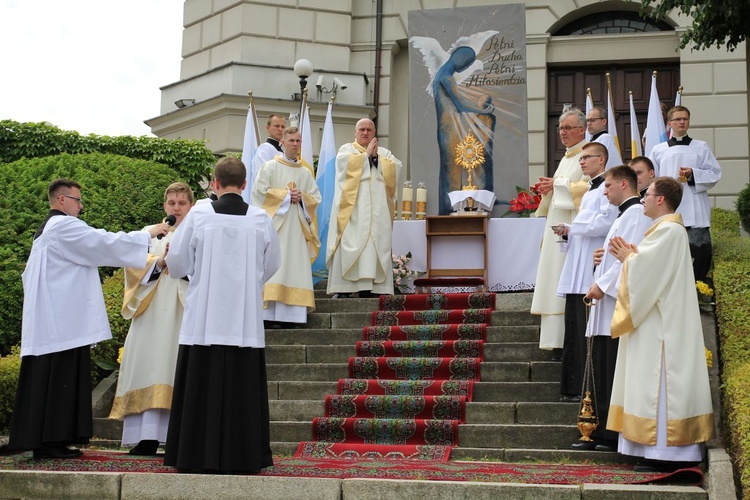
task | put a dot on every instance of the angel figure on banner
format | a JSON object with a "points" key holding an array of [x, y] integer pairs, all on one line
{"points": [[461, 110]]}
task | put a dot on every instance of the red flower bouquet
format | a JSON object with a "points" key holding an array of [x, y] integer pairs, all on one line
{"points": [[526, 202]]}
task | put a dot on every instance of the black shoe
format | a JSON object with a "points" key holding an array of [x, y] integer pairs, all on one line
{"points": [[146, 447], [570, 398], [584, 445], [367, 294], [343, 296], [270, 325], [647, 465], [62, 452], [605, 447], [556, 355]]}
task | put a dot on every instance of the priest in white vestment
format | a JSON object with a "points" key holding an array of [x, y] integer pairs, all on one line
{"points": [[63, 315], [692, 163], [620, 188], [561, 196], [661, 398], [286, 189], [155, 304], [584, 235], [358, 251], [219, 421]]}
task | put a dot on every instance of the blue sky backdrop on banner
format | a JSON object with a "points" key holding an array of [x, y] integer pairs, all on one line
{"points": [[90, 65]]}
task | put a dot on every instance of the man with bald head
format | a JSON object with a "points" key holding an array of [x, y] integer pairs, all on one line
{"points": [[358, 253]]}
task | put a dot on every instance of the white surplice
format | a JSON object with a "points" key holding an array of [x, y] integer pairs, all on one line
{"points": [[614, 158], [695, 206], [587, 232], [224, 291], [63, 305]]}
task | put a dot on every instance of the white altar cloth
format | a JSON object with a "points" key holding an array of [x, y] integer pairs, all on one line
{"points": [[513, 245]]}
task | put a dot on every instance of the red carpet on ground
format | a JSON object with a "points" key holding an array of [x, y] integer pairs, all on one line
{"points": [[351, 386], [410, 379], [410, 407], [317, 462], [463, 331], [422, 348], [436, 317]]}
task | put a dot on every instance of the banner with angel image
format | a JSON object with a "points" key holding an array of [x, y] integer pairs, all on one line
{"points": [[467, 71]]}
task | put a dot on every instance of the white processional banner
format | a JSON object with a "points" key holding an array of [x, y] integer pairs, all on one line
{"points": [[467, 70]]}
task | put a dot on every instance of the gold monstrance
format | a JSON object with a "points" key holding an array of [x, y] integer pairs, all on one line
{"points": [[470, 155]]}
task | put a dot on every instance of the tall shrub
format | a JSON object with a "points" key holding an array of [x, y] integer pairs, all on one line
{"points": [[119, 193]]}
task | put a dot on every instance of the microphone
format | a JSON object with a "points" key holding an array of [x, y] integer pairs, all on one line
{"points": [[171, 220]]}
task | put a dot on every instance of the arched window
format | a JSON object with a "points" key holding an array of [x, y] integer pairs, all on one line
{"points": [[612, 22]]}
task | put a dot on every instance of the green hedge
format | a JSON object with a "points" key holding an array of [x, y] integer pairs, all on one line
{"points": [[192, 160], [731, 277], [743, 207], [119, 193], [9, 367], [109, 350]]}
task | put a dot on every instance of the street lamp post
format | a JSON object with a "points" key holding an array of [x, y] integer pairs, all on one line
{"points": [[303, 69]]}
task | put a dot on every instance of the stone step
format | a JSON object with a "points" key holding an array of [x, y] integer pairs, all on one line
{"points": [[469, 435], [483, 391], [350, 336], [324, 303], [537, 371], [360, 319], [296, 354]]}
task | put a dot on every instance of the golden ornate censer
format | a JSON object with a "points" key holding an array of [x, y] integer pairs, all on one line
{"points": [[470, 155], [588, 421]]}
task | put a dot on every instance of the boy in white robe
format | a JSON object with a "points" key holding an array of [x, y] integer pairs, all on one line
{"points": [[661, 398], [155, 304], [63, 315], [219, 420]]}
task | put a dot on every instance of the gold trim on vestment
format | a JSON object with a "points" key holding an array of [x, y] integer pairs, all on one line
{"points": [[622, 321], [274, 199], [680, 432], [577, 190], [573, 152], [289, 295], [158, 396], [132, 280]]}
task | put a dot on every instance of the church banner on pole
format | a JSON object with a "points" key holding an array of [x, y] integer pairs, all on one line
{"points": [[468, 75]]}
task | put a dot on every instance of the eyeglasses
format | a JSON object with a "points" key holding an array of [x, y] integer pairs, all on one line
{"points": [[586, 157], [79, 200], [566, 128], [680, 120], [592, 120]]}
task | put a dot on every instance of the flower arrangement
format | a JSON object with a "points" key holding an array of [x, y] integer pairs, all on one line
{"points": [[705, 292], [526, 202], [401, 272]]}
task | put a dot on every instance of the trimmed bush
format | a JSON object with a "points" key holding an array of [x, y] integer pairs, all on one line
{"points": [[109, 349], [119, 194], [743, 208], [192, 160], [9, 368]]}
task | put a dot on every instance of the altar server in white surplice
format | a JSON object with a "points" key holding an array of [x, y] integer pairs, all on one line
{"points": [[358, 251], [266, 151], [620, 188], [692, 163], [287, 191], [229, 249], [155, 303], [63, 315], [561, 196], [661, 398], [597, 121], [584, 235]]}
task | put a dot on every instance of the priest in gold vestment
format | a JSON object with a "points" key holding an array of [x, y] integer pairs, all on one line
{"points": [[358, 252], [561, 197], [661, 398], [286, 189]]}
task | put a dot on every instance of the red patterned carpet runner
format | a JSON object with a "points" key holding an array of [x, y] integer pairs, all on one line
{"points": [[409, 382]]}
